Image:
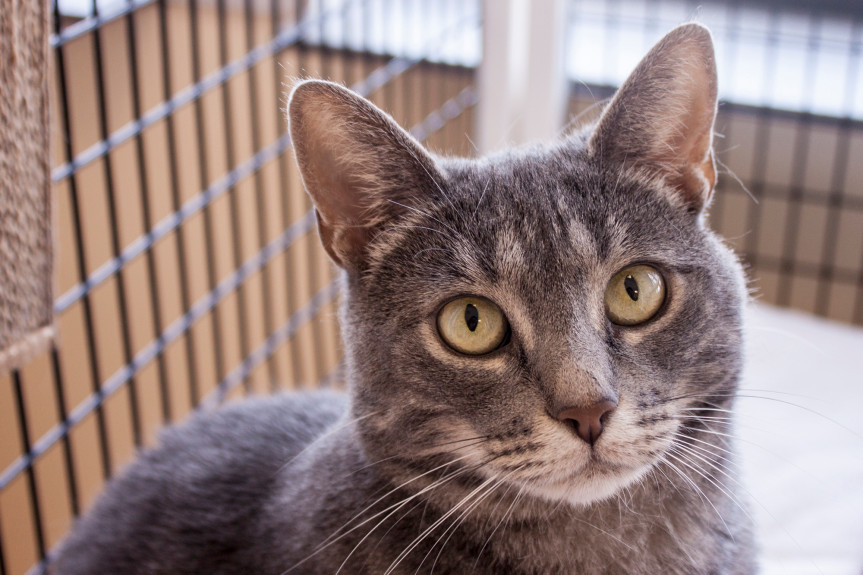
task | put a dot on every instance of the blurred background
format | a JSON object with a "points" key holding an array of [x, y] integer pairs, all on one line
{"points": [[188, 270]]}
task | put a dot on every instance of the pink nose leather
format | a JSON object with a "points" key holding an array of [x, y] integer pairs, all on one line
{"points": [[588, 421]]}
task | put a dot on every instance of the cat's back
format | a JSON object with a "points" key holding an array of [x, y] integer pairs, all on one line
{"points": [[193, 502]]}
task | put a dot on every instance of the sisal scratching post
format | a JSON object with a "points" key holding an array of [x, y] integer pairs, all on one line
{"points": [[25, 186]]}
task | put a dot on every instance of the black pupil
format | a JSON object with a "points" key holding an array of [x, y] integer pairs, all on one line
{"points": [[471, 316], [631, 287]]}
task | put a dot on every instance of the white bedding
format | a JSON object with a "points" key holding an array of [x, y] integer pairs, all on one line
{"points": [[803, 463]]}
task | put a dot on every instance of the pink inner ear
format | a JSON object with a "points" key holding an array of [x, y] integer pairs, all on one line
{"points": [[340, 202], [353, 159], [344, 244], [341, 218], [689, 154], [327, 175]]}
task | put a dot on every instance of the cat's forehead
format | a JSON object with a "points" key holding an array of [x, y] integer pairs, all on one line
{"points": [[552, 200]]}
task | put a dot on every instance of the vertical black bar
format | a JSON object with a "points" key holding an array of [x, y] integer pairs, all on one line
{"points": [[147, 218], [300, 16], [722, 146], [835, 207], [59, 387], [788, 259], [209, 232], [237, 251], [170, 136], [858, 311], [2, 560], [69, 460], [77, 224], [31, 472], [285, 180], [858, 305], [837, 180], [266, 297], [313, 251], [113, 224], [764, 117]]}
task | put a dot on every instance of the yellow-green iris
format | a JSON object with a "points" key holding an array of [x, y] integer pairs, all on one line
{"points": [[472, 325], [634, 295]]}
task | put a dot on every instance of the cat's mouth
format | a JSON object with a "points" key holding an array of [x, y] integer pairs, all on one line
{"points": [[595, 480], [583, 476], [597, 464]]}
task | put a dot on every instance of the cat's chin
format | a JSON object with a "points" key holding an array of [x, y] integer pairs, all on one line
{"points": [[589, 486]]}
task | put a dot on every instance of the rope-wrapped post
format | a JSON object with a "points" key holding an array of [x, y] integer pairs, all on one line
{"points": [[25, 186]]}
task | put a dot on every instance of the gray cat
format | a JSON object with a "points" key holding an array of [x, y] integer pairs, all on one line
{"points": [[542, 349]]}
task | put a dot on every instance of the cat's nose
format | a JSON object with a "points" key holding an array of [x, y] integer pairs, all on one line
{"points": [[588, 421]]}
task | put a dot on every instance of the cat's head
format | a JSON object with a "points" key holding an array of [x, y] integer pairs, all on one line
{"points": [[553, 316]]}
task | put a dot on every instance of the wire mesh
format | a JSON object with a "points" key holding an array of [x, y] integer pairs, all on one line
{"points": [[789, 196], [189, 272]]}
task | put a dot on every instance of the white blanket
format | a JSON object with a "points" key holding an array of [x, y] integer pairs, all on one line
{"points": [[800, 420]]}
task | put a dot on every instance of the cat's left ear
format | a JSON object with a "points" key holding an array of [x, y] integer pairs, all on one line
{"points": [[361, 169], [661, 119]]}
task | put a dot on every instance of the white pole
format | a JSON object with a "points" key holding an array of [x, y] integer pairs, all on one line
{"points": [[502, 73], [545, 101], [522, 88]]}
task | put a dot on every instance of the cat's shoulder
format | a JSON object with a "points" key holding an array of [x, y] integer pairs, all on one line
{"points": [[256, 437], [194, 501], [292, 417]]}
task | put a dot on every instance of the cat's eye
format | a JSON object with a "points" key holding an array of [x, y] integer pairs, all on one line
{"points": [[634, 295], [472, 325]]}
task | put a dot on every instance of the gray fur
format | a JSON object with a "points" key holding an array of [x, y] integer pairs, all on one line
{"points": [[448, 463]]}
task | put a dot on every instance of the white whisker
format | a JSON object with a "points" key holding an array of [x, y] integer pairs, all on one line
{"points": [[460, 519], [482, 195], [394, 509], [742, 487], [503, 519], [333, 538], [413, 545], [323, 436]]}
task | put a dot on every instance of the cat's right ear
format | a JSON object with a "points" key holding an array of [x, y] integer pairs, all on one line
{"points": [[360, 167], [661, 119]]}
